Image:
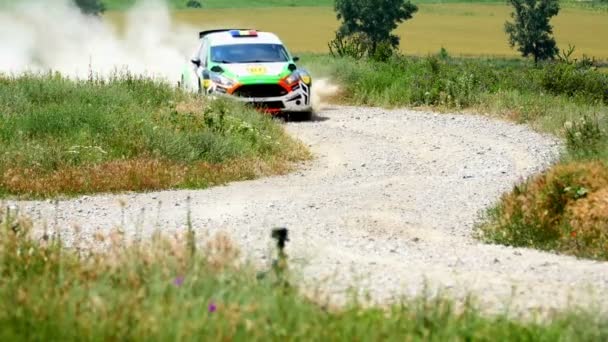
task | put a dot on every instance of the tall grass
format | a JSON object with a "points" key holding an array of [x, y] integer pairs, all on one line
{"points": [[165, 289], [60, 136], [448, 82]]}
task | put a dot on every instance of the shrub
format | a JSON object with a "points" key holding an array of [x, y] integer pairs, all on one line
{"points": [[585, 137], [575, 80], [354, 45], [194, 4], [383, 52], [564, 209]]}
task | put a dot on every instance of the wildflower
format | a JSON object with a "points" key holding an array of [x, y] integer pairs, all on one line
{"points": [[212, 307], [179, 281], [573, 233]]}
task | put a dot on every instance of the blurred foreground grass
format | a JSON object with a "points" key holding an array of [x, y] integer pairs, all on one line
{"points": [[171, 289]]}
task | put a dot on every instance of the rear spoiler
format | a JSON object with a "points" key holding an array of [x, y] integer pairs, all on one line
{"points": [[202, 34]]}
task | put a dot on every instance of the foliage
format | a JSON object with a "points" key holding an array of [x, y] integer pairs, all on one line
{"points": [[127, 133], [169, 289], [374, 18], [383, 52], [432, 80], [353, 46], [93, 7], [564, 209], [585, 138], [193, 4], [531, 30], [576, 80], [440, 80]]}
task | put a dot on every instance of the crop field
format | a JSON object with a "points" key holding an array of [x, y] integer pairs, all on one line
{"points": [[463, 29]]}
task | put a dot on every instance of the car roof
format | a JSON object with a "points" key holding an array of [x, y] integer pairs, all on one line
{"points": [[226, 38]]}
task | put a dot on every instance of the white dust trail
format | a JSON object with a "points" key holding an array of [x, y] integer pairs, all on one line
{"points": [[42, 35]]}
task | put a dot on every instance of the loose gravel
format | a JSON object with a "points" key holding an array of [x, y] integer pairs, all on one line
{"points": [[387, 207]]}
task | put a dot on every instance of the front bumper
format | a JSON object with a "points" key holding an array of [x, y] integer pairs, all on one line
{"points": [[297, 100]]}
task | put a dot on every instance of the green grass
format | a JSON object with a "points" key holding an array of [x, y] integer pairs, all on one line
{"points": [[167, 290], [509, 87], [562, 210], [59, 136]]}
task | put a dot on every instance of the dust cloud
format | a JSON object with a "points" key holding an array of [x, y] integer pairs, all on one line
{"points": [[42, 35], [53, 35], [323, 91]]}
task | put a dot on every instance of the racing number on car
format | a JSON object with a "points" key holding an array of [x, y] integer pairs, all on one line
{"points": [[256, 70]]}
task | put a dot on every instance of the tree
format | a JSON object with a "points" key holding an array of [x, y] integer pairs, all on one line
{"points": [[374, 18], [93, 7], [194, 4], [531, 30]]}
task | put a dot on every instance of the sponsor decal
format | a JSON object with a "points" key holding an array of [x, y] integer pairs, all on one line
{"points": [[256, 69]]}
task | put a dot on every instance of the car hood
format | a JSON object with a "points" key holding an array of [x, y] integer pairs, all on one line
{"points": [[256, 69]]}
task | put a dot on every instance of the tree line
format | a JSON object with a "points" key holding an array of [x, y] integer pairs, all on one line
{"points": [[367, 25]]}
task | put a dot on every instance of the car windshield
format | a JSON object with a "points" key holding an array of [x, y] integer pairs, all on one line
{"points": [[249, 53]]}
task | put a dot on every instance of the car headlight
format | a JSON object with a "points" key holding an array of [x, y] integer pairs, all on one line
{"points": [[222, 80], [297, 76], [305, 77], [293, 78]]}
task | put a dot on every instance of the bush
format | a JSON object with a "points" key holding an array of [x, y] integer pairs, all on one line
{"points": [[574, 80], [354, 45], [194, 4], [564, 209], [585, 137], [383, 52]]}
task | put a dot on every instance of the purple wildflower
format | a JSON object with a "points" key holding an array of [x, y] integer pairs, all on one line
{"points": [[212, 307], [179, 281]]}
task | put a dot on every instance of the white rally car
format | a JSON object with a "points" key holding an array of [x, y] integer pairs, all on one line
{"points": [[251, 66]]}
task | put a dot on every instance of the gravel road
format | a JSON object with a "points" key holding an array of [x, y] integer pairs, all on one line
{"points": [[388, 205]]}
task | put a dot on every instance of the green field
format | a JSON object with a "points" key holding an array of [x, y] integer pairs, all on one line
{"points": [[181, 4], [463, 29]]}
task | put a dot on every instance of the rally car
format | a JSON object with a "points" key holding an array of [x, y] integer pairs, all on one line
{"points": [[251, 66]]}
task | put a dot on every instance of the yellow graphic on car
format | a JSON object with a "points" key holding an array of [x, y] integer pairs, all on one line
{"points": [[256, 69]]}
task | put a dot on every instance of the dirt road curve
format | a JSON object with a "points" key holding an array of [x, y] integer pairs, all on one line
{"points": [[387, 205]]}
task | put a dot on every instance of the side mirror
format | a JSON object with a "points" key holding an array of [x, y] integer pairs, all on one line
{"points": [[196, 62], [296, 59]]}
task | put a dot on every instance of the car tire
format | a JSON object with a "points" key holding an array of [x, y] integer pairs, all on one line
{"points": [[299, 116]]}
